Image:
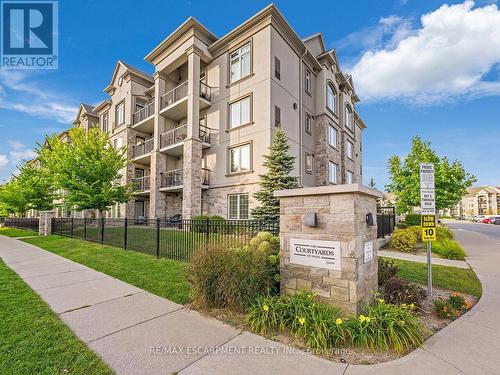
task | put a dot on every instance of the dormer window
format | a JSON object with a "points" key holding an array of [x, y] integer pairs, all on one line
{"points": [[348, 117]]}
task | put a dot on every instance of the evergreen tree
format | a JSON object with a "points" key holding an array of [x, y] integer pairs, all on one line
{"points": [[372, 183], [279, 166]]}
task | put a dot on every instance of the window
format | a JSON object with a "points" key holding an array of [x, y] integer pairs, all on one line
{"points": [[277, 68], [239, 112], [348, 117], [308, 124], [120, 113], [332, 136], [332, 172], [139, 105], [277, 116], [348, 149], [239, 62], [117, 143], [331, 98], [350, 177], [239, 159], [105, 122], [238, 206], [308, 81], [309, 163]]}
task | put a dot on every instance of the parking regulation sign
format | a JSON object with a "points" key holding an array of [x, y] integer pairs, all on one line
{"points": [[427, 192]]}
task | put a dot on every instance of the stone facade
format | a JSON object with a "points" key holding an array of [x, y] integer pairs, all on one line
{"points": [[45, 223], [325, 152], [214, 200], [341, 216]]}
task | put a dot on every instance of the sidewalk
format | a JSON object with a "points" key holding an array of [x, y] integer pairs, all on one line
{"points": [[423, 259], [132, 330]]}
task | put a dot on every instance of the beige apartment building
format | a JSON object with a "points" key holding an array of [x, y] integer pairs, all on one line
{"points": [[481, 200], [197, 129]]}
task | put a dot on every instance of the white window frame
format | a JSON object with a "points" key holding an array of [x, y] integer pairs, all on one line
{"points": [[349, 149], [333, 133], [240, 168], [333, 177], [235, 58], [331, 98], [308, 124], [105, 122], [119, 106], [309, 163], [348, 117], [239, 212], [349, 177], [308, 81], [238, 105]]}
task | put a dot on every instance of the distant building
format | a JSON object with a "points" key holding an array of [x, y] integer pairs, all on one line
{"points": [[481, 200]]}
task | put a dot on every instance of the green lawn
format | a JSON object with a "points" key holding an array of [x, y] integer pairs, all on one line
{"points": [[163, 277], [33, 340], [451, 278], [13, 232]]}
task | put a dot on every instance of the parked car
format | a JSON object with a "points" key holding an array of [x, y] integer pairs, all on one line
{"points": [[492, 219], [486, 220], [496, 222], [478, 218]]}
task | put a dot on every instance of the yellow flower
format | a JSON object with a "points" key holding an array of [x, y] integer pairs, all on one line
{"points": [[401, 322], [338, 321], [302, 320], [362, 318], [265, 308], [368, 319], [380, 300], [403, 305], [412, 305]]}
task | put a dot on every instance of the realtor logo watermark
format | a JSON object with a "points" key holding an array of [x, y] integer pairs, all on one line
{"points": [[29, 35]]}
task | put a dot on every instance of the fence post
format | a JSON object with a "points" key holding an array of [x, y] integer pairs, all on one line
{"points": [[72, 226], [157, 238], [125, 230], [84, 227], [207, 228], [102, 230]]}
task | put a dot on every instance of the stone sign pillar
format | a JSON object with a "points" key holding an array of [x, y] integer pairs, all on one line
{"points": [[328, 238], [45, 223]]}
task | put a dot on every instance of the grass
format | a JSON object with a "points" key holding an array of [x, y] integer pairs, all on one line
{"points": [[14, 232], [451, 278], [163, 277], [33, 340]]}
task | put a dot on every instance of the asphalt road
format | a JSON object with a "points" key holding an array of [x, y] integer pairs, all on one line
{"points": [[489, 230]]}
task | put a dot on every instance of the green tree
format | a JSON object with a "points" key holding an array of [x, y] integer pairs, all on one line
{"points": [[12, 199], [451, 179], [36, 186], [87, 168], [279, 165]]}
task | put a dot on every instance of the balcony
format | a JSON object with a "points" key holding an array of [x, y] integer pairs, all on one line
{"points": [[172, 141], [172, 181], [173, 104], [142, 151], [143, 119], [141, 185]]}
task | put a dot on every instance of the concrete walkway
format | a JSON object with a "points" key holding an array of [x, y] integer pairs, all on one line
{"points": [[136, 332], [423, 259]]}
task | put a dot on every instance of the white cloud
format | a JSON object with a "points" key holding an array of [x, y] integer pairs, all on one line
{"points": [[3, 161], [17, 157], [16, 145], [20, 92], [447, 58]]}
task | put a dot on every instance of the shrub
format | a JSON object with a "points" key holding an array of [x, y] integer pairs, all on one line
{"points": [[387, 269], [448, 249], [320, 326], [386, 326], [231, 277], [215, 224], [417, 231], [412, 219], [401, 225], [403, 240], [398, 291], [443, 232], [452, 307]]}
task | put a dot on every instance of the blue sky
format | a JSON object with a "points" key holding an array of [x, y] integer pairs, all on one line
{"points": [[420, 68]]}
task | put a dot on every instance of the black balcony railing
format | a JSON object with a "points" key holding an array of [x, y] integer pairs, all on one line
{"points": [[143, 148], [205, 91], [205, 176], [144, 113], [204, 134], [141, 183], [173, 136], [174, 95]]}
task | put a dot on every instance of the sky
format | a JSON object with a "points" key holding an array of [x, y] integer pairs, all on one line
{"points": [[425, 68]]}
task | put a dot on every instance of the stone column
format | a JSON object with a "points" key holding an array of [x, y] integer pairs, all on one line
{"points": [[336, 258], [45, 223], [191, 194]]}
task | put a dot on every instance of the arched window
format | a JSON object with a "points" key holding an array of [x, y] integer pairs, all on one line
{"points": [[348, 117], [331, 97]]}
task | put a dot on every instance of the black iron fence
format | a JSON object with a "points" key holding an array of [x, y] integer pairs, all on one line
{"points": [[166, 238], [22, 223], [386, 221]]}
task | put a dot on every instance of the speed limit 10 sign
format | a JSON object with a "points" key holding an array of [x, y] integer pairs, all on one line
{"points": [[428, 227]]}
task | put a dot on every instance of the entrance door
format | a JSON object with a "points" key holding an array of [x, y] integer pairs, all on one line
{"points": [[140, 212]]}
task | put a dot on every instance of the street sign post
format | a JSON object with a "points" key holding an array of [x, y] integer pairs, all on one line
{"points": [[428, 214]]}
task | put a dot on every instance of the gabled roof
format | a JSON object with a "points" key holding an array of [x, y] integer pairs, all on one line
{"points": [[316, 37], [132, 70], [87, 109], [101, 105], [473, 191], [191, 22]]}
